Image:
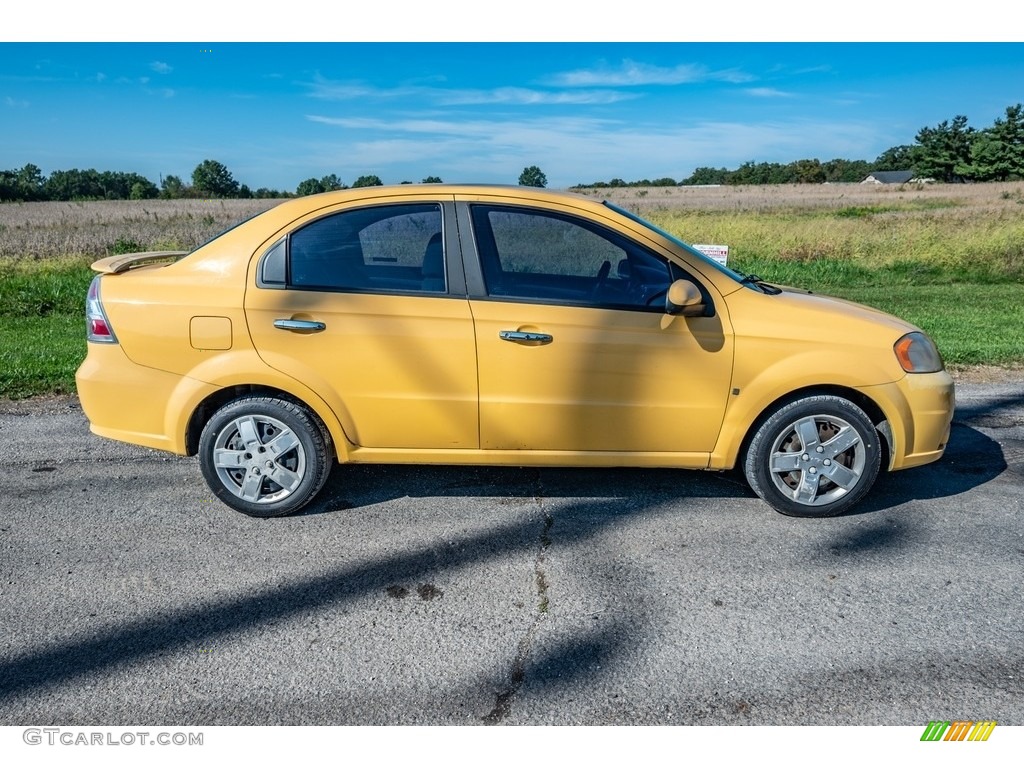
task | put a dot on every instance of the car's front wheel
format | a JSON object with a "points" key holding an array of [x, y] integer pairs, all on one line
{"points": [[814, 457], [264, 456]]}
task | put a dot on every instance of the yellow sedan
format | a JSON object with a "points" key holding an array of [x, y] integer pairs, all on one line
{"points": [[496, 325]]}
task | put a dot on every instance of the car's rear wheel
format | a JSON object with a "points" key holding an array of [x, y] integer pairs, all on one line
{"points": [[264, 456], [814, 457]]}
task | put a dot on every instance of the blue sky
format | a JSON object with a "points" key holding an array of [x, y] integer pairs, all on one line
{"points": [[277, 113]]}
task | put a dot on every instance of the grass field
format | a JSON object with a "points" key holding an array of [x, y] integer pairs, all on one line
{"points": [[91, 230], [949, 258]]}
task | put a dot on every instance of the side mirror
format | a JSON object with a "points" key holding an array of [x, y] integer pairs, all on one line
{"points": [[683, 298]]}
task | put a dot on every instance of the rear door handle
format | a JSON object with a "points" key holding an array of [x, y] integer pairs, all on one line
{"points": [[300, 325], [537, 338]]}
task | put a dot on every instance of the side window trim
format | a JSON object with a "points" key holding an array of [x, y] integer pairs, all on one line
{"points": [[474, 276], [476, 283], [454, 274], [272, 268]]}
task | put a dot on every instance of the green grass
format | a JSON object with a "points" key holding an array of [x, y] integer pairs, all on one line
{"points": [[40, 289], [42, 308], [39, 355], [972, 324]]}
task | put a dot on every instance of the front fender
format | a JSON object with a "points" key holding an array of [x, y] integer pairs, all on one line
{"points": [[756, 389]]}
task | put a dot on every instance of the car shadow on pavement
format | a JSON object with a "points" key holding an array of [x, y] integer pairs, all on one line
{"points": [[354, 486], [971, 459]]}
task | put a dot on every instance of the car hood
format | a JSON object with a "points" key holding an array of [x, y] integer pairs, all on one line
{"points": [[830, 305], [807, 339], [814, 318]]}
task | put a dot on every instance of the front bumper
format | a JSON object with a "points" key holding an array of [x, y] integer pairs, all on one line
{"points": [[919, 410]]}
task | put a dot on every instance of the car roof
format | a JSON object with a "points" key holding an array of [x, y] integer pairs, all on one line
{"points": [[299, 206]]}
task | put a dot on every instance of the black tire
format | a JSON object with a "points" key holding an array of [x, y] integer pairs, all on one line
{"points": [[814, 457], [264, 456]]}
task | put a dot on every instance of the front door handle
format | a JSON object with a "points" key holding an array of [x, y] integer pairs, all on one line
{"points": [[525, 336], [301, 326]]}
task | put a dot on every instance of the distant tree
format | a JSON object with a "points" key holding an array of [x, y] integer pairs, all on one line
{"points": [[29, 183], [944, 151], [997, 153], [533, 176], [895, 159], [244, 192], [433, 180], [172, 187], [706, 176], [214, 179], [115, 186], [143, 190], [839, 170], [74, 185], [1010, 131], [331, 182], [367, 181], [311, 186], [762, 173], [134, 186], [308, 187], [666, 181], [807, 172], [8, 186]]}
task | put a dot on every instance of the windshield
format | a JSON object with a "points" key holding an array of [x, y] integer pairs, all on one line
{"points": [[737, 276]]}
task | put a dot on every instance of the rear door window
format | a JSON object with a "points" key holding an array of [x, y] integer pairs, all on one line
{"points": [[381, 249]]}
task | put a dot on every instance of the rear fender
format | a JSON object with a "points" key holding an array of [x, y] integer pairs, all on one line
{"points": [[244, 368]]}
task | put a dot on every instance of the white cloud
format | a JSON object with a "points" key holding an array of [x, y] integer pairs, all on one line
{"points": [[769, 93], [161, 68], [15, 103], [575, 150], [327, 90], [530, 96], [632, 73], [332, 90]]}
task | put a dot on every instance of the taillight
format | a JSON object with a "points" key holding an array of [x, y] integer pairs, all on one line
{"points": [[97, 327]]}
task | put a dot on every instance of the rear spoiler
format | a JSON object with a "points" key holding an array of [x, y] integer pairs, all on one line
{"points": [[112, 265]]}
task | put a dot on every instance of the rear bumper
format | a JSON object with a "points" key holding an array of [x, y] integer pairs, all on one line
{"points": [[134, 404]]}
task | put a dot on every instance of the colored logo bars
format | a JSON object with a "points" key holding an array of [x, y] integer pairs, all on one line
{"points": [[958, 730]]}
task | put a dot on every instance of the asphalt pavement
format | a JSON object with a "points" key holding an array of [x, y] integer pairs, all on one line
{"points": [[461, 595]]}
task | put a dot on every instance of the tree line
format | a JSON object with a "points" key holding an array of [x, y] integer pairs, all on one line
{"points": [[210, 178], [950, 152]]}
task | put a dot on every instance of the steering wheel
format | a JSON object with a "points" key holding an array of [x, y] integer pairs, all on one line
{"points": [[649, 300]]}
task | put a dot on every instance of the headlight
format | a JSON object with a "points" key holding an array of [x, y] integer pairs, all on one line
{"points": [[918, 354]]}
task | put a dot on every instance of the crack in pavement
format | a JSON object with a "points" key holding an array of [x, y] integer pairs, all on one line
{"points": [[503, 700]]}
